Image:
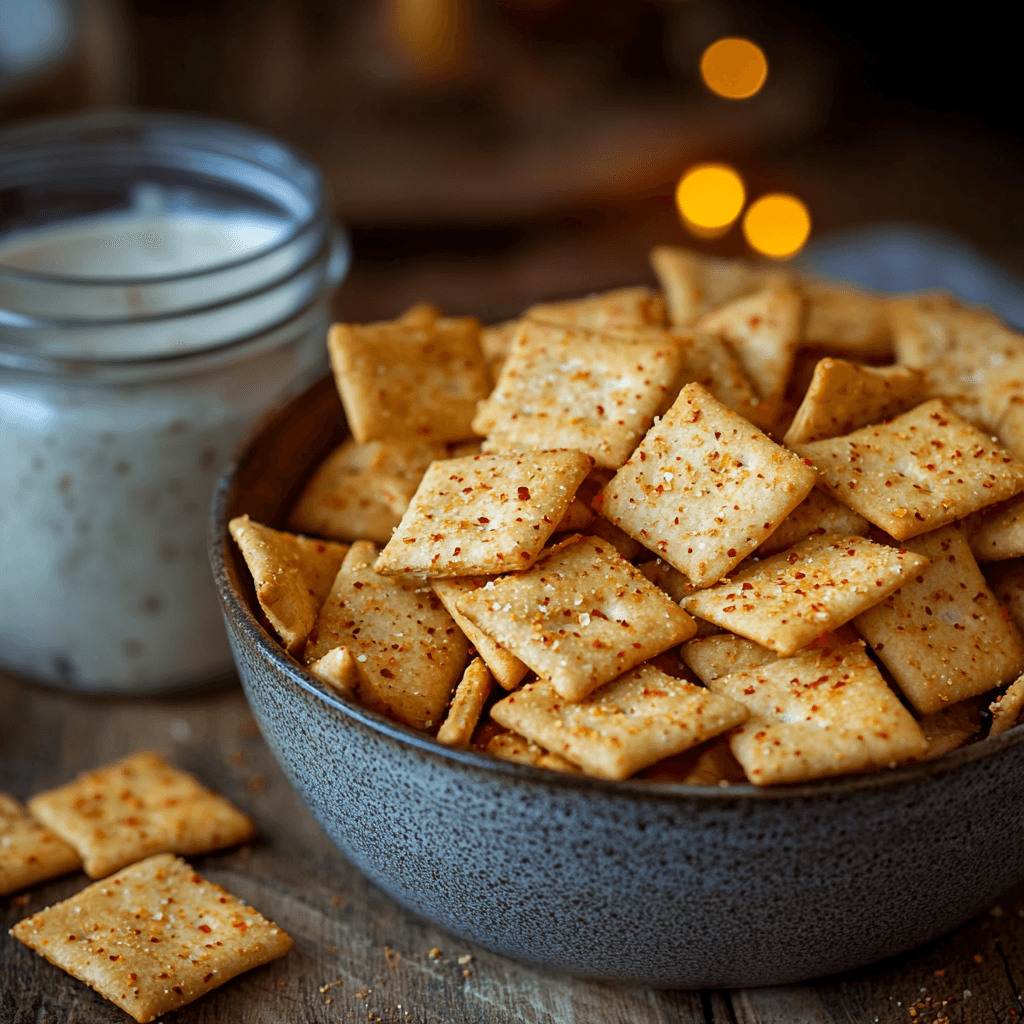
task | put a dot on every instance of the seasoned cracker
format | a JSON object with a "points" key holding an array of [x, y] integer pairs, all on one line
{"points": [[997, 532], [846, 321], [844, 396], [765, 331], [361, 491], [710, 764], [949, 729], [565, 387], [337, 668], [817, 714], [1008, 708], [135, 807], [484, 513], [506, 668], [153, 937], [918, 472], [495, 343], [470, 696], [789, 600], [1007, 582], [408, 651], [409, 381], [718, 655], [815, 516], [626, 725], [28, 852], [708, 360], [580, 617], [422, 314], [510, 746], [621, 541], [577, 518], [292, 574], [671, 580], [942, 635], [705, 487], [621, 308]]}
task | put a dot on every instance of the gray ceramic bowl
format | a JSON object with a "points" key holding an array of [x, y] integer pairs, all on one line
{"points": [[654, 883]]}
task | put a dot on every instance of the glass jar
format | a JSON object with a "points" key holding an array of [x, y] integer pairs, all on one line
{"points": [[164, 282]]}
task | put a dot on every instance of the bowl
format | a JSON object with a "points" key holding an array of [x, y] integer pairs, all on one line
{"points": [[649, 883]]}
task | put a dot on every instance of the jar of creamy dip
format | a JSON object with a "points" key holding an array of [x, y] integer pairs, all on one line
{"points": [[164, 282]]}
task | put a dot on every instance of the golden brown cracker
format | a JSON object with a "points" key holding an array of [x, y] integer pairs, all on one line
{"points": [[718, 655], [846, 321], [28, 852], [997, 532], [1008, 708], [464, 712], [612, 310], [949, 729], [337, 668], [815, 516]]}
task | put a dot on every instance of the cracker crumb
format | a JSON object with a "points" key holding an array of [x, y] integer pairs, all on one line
{"points": [[435, 953]]}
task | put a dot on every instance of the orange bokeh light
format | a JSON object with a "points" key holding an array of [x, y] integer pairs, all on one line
{"points": [[710, 197], [777, 225], [734, 68]]}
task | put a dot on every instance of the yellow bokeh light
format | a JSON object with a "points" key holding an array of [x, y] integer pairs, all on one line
{"points": [[734, 68], [710, 197], [777, 225]]}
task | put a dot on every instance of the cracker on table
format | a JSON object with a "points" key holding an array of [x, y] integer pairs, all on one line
{"points": [[337, 668], [846, 321], [464, 712], [1008, 708], [722, 653], [135, 807], [484, 513], [844, 396], [942, 636], [624, 726], [997, 532], [361, 491], [407, 381], [28, 852], [789, 600], [764, 329], [705, 487], [918, 472], [506, 668], [292, 575], [409, 652], [949, 729], [580, 617], [611, 310], [565, 387], [815, 516], [816, 714], [153, 937]]}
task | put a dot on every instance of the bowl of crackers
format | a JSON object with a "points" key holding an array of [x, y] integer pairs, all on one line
{"points": [[665, 636]]}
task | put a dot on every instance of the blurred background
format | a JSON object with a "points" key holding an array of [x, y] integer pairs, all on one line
{"points": [[486, 154]]}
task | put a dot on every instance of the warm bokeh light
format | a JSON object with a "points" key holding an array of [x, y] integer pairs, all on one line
{"points": [[734, 68], [777, 225], [710, 197], [431, 33]]}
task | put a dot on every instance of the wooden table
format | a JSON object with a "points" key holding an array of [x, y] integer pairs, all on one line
{"points": [[360, 957]]}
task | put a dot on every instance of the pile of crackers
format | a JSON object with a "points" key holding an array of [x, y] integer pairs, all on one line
{"points": [[752, 526]]}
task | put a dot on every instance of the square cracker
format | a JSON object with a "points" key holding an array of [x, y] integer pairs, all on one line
{"points": [[1008, 708], [705, 487], [506, 668], [815, 516], [844, 396], [566, 387], [153, 937], [712, 656], [764, 329], [1007, 582], [789, 600], [612, 310], [361, 491], [292, 574], [708, 360], [710, 764], [621, 728], [484, 514], [510, 746], [580, 617], [409, 381], [409, 653], [917, 472], [997, 532], [135, 807], [470, 696], [817, 714], [846, 321], [28, 852], [949, 728], [942, 635]]}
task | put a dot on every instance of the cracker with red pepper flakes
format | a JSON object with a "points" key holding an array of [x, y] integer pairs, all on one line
{"points": [[764, 330], [1008, 708], [816, 714], [845, 320], [135, 807], [409, 653], [949, 729], [789, 600], [712, 656], [410, 380], [616, 310], [153, 937], [942, 635], [845, 396], [705, 487], [28, 852], [996, 533], [292, 574], [484, 514], [917, 472], [580, 617], [815, 516], [622, 727], [468, 702], [566, 387], [510, 746]]}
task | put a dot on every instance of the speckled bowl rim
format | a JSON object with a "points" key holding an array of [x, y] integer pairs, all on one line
{"points": [[240, 614]]}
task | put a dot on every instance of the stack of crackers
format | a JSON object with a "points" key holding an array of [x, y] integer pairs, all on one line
{"points": [[750, 526], [152, 935]]}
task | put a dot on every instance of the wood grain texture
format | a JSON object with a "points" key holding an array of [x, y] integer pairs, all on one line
{"points": [[374, 955]]}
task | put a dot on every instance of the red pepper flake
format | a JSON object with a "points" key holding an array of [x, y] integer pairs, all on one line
{"points": [[524, 493], [205, 928], [242, 925]]}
